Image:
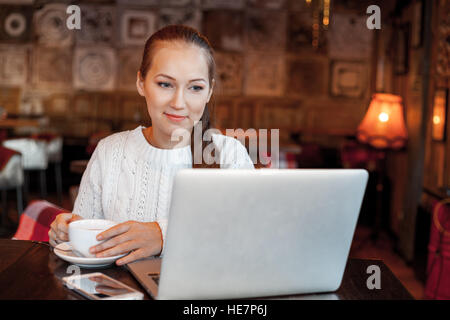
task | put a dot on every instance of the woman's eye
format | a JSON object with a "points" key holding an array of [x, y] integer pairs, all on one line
{"points": [[164, 84], [197, 88]]}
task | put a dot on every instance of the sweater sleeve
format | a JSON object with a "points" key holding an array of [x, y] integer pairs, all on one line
{"points": [[163, 226], [88, 203]]}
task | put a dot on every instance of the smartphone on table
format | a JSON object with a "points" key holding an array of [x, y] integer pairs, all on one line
{"points": [[99, 286]]}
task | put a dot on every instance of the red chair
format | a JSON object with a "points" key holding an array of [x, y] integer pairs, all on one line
{"points": [[438, 264], [35, 221]]}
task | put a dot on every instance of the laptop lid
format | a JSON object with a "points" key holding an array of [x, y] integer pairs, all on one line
{"points": [[255, 233]]}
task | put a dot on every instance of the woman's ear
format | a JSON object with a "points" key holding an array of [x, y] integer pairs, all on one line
{"points": [[213, 82], [140, 84]]}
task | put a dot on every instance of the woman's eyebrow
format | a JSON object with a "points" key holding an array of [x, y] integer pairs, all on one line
{"points": [[167, 76]]}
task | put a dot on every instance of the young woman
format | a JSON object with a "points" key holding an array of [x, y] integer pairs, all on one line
{"points": [[130, 174]]}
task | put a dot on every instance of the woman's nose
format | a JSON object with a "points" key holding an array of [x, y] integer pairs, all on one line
{"points": [[178, 99]]}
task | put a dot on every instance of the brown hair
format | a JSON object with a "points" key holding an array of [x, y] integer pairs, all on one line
{"points": [[190, 36]]}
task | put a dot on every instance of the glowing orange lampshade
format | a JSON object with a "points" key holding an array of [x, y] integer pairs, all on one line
{"points": [[383, 125]]}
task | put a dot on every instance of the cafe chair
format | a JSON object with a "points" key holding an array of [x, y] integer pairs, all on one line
{"points": [[11, 177], [437, 285], [35, 221], [54, 145], [34, 158]]}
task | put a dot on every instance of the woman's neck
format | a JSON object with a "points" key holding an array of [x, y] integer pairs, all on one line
{"points": [[161, 141]]}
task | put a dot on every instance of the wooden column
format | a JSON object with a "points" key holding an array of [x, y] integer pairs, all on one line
{"points": [[417, 115]]}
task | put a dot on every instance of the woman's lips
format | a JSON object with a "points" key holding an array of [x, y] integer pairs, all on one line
{"points": [[174, 117]]}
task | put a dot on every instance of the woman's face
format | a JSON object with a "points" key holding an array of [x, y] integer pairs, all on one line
{"points": [[176, 87]]}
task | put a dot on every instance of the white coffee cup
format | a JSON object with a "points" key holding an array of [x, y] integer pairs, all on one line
{"points": [[83, 234]]}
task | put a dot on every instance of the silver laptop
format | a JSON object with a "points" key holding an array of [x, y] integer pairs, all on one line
{"points": [[255, 233]]}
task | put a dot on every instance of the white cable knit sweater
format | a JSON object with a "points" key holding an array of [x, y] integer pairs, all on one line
{"points": [[129, 179]]}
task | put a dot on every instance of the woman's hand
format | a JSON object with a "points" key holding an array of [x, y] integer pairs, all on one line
{"points": [[139, 239], [59, 229]]}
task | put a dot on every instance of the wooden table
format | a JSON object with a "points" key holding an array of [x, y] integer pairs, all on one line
{"points": [[30, 270]]}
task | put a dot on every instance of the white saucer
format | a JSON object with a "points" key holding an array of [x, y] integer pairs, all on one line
{"points": [[64, 251]]}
